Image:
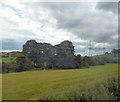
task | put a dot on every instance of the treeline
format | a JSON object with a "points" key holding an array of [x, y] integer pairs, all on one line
{"points": [[23, 63], [19, 62]]}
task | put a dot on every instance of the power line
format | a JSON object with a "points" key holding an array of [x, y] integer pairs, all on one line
{"points": [[104, 48], [90, 48]]}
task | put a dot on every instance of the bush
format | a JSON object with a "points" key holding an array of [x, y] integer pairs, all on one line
{"points": [[23, 63], [8, 67], [107, 90]]}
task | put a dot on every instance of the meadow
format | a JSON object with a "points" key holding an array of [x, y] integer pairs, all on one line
{"points": [[8, 59], [55, 84]]}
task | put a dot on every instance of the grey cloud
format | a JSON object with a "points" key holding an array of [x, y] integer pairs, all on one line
{"points": [[80, 20], [75, 19], [11, 44], [108, 6], [84, 23], [79, 43]]}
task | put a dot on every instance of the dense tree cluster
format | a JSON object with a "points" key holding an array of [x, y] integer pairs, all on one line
{"points": [[116, 51], [19, 64], [45, 56]]}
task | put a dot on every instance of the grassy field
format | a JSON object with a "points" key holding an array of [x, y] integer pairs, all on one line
{"points": [[7, 59], [35, 85]]}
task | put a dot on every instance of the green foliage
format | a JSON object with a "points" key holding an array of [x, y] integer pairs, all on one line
{"points": [[78, 58], [16, 62], [8, 63], [89, 60], [104, 90], [8, 59], [23, 63], [116, 51], [8, 67], [106, 58], [85, 61]]}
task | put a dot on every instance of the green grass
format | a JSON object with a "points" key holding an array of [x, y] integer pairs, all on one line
{"points": [[41, 84], [8, 59]]}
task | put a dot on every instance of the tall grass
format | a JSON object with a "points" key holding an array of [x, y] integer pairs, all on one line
{"points": [[105, 90]]}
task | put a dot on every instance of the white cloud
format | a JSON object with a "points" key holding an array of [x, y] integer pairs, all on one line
{"points": [[43, 27], [53, 23]]}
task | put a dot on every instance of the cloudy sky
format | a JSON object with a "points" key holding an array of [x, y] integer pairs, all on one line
{"points": [[54, 22]]}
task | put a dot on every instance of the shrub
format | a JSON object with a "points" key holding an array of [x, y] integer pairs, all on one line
{"points": [[107, 90], [23, 63]]}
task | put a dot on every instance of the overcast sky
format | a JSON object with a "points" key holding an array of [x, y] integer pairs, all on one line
{"points": [[54, 22]]}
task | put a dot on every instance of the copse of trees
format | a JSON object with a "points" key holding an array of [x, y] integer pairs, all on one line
{"points": [[85, 61], [8, 67], [45, 55], [116, 51], [21, 63], [78, 58]]}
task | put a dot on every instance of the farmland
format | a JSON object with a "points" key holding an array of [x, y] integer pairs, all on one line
{"points": [[36, 85], [7, 60]]}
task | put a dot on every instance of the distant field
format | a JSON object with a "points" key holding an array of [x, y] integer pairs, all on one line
{"points": [[7, 59], [39, 84]]}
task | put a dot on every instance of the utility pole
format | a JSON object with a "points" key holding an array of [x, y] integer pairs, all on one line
{"points": [[84, 52], [90, 48], [104, 48]]}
